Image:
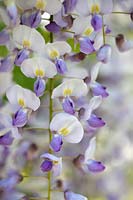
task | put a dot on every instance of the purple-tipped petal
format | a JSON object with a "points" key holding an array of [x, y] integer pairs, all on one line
{"points": [[61, 66], [53, 27], [99, 90], [21, 56], [46, 165], [4, 37], [96, 22], [31, 18], [12, 13], [56, 143], [6, 139], [104, 53], [20, 118], [6, 64], [73, 196], [39, 87], [95, 122], [95, 166], [86, 45], [107, 29], [69, 5], [68, 105]]}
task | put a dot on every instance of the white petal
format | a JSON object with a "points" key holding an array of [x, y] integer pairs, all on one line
{"points": [[15, 133], [57, 168], [25, 5], [77, 86], [22, 32], [5, 18], [94, 72], [76, 71], [53, 6], [82, 7], [89, 153], [106, 6], [61, 47], [16, 92], [30, 65], [84, 23], [64, 120]]}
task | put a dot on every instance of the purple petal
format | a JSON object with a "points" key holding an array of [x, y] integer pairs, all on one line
{"points": [[12, 13], [46, 165], [6, 139], [61, 66], [95, 166], [86, 45], [68, 105], [21, 56], [99, 90], [107, 30], [69, 5], [96, 22], [31, 18], [6, 64], [95, 122], [39, 87], [73, 196], [4, 37], [104, 53], [56, 143], [53, 27], [20, 118]]}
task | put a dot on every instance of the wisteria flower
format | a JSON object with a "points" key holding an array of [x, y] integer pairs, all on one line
{"points": [[22, 98], [68, 126], [25, 37], [40, 68], [123, 44], [51, 162]]}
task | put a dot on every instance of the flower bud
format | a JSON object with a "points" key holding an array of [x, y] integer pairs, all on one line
{"points": [[68, 105], [56, 143], [6, 139], [46, 165], [99, 90], [31, 18], [20, 118], [96, 22], [86, 45], [104, 53], [39, 87], [95, 166], [95, 122], [53, 27], [21, 56], [4, 37], [6, 64], [61, 66]]}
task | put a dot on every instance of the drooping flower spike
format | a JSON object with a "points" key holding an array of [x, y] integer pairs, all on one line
{"points": [[22, 98], [51, 162], [68, 126]]}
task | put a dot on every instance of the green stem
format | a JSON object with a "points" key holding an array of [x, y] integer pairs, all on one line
{"points": [[104, 41], [121, 13], [51, 82]]}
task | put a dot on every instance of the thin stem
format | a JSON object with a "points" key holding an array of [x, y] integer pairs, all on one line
{"points": [[51, 82], [68, 31], [35, 177], [104, 41], [35, 128], [121, 13]]}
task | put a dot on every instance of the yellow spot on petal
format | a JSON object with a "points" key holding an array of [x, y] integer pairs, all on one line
{"points": [[56, 162], [39, 72], [40, 4], [53, 54], [26, 44], [21, 102], [88, 31], [67, 92], [64, 131], [95, 8]]}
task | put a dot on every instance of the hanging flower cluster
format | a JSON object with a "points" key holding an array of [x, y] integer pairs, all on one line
{"points": [[75, 30]]}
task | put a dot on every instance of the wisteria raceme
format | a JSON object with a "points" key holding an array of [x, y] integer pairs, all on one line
{"points": [[59, 56]]}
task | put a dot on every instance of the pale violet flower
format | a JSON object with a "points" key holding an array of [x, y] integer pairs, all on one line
{"points": [[51, 162], [49, 6], [123, 44], [57, 49], [28, 38], [22, 97], [89, 162], [71, 88], [38, 67], [86, 7], [68, 126]]}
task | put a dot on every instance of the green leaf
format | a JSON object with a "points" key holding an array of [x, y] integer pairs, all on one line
{"points": [[21, 79], [75, 46], [3, 51], [44, 33], [2, 26]]}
